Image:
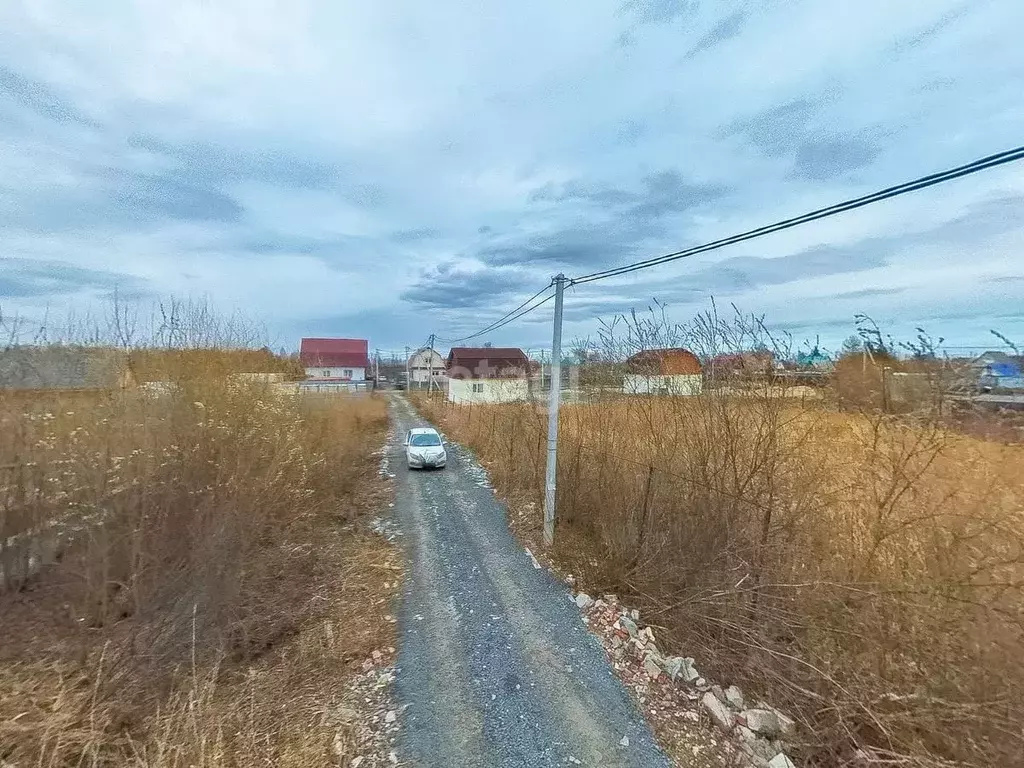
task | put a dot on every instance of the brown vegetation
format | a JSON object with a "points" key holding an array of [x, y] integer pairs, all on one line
{"points": [[176, 562], [861, 570]]}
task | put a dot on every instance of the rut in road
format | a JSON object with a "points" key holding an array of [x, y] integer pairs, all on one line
{"points": [[495, 666]]}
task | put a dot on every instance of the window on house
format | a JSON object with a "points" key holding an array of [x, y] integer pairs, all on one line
{"points": [[347, 373], [326, 372], [478, 386]]}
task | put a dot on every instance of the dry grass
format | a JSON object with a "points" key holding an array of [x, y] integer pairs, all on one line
{"points": [[862, 571], [196, 571]]}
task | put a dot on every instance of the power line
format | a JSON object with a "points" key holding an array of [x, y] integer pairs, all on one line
{"points": [[981, 164], [504, 319], [524, 312]]}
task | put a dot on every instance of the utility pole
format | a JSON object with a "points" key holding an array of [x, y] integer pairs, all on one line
{"points": [[551, 476], [408, 381], [376, 368], [430, 367]]}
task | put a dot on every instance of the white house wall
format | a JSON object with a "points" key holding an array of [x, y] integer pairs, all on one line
{"points": [[460, 391], [678, 384], [423, 375], [338, 372]]}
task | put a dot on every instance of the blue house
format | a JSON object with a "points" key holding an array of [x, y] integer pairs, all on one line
{"points": [[998, 370], [814, 358]]}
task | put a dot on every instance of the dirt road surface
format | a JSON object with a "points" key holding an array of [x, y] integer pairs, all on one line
{"points": [[495, 666]]}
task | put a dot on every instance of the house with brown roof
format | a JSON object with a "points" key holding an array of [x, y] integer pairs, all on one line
{"points": [[674, 371], [335, 360], [487, 375]]}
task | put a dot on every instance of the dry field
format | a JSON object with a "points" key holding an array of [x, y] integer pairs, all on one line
{"points": [[861, 571], [209, 591]]}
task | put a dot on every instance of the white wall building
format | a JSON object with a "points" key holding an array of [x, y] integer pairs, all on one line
{"points": [[425, 364], [668, 384], [487, 375], [335, 359], [487, 391], [345, 372]]}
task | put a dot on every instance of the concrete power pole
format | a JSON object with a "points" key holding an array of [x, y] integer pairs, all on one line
{"points": [[430, 367], [551, 476], [408, 381]]}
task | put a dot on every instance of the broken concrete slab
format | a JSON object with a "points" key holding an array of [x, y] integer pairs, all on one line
{"points": [[781, 760], [719, 713], [734, 697], [763, 722], [652, 666]]}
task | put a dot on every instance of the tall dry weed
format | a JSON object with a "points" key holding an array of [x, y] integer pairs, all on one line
{"points": [[148, 535], [861, 570]]}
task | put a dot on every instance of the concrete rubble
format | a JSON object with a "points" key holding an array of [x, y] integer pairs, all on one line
{"points": [[366, 716], [584, 601], [671, 687]]}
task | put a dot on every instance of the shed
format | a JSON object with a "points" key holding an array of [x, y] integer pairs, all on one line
{"points": [[670, 371], [487, 374], [60, 367]]}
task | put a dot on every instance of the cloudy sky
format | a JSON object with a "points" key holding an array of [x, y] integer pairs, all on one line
{"points": [[386, 170]]}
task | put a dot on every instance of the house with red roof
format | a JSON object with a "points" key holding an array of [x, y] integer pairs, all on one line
{"points": [[335, 359], [673, 371]]}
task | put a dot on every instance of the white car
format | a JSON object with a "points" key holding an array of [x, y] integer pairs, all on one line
{"points": [[424, 448]]}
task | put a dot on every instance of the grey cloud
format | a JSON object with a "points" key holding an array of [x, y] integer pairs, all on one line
{"points": [[788, 130], [819, 261], [211, 164], [743, 273], [278, 245], [579, 191], [448, 288], [772, 130], [414, 235], [144, 198], [726, 29], [659, 11], [668, 192], [590, 309], [37, 97], [1006, 279], [868, 293], [933, 30], [573, 247], [23, 278], [112, 197], [630, 219], [823, 159], [994, 216], [663, 192]]}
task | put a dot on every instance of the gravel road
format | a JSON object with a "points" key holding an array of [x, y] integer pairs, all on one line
{"points": [[495, 666]]}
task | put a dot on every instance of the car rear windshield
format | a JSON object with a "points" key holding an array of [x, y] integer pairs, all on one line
{"points": [[425, 440]]}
